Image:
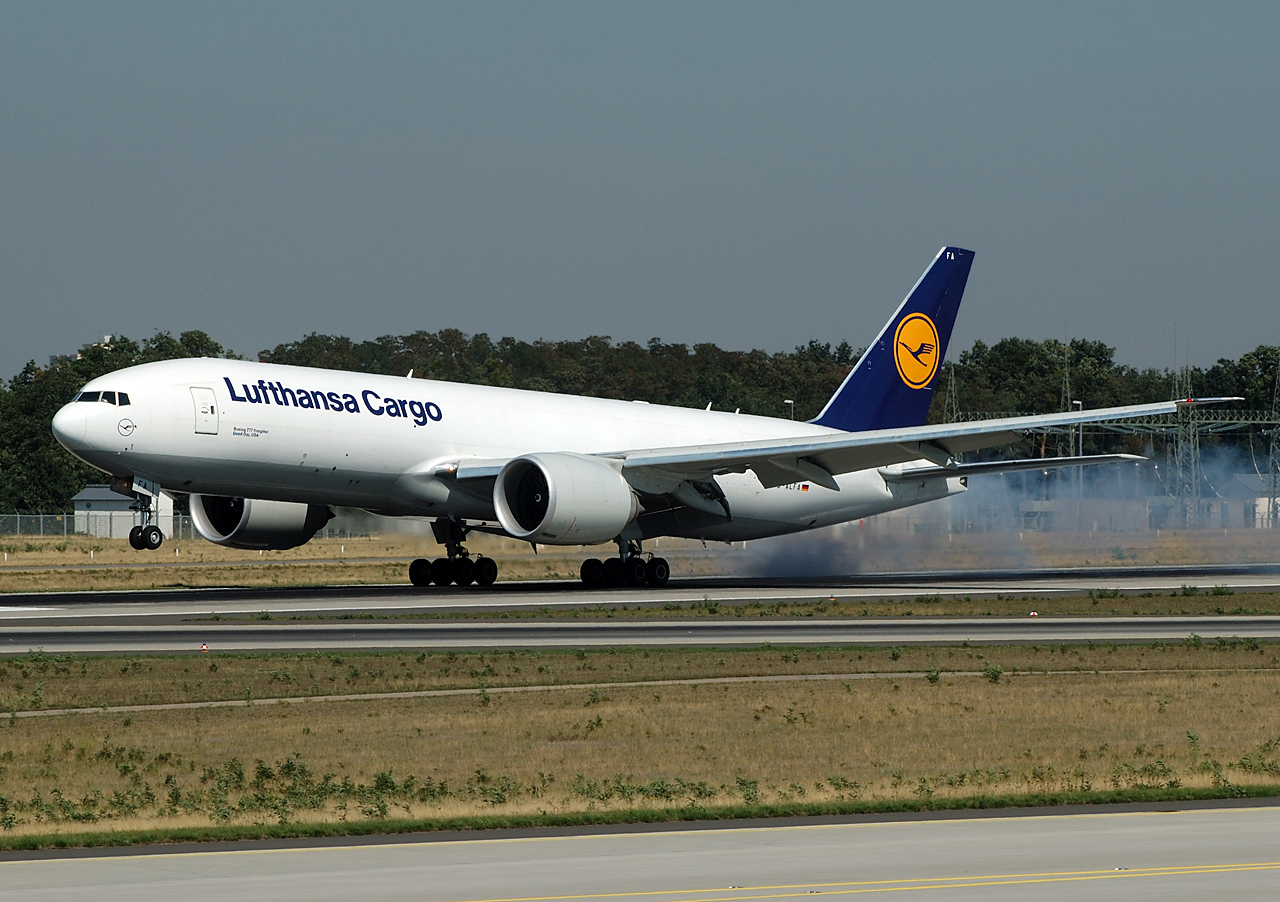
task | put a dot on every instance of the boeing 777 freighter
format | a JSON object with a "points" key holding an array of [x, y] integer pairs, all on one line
{"points": [[265, 450]]}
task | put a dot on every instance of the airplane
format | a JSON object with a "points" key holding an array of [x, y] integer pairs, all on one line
{"points": [[265, 451]]}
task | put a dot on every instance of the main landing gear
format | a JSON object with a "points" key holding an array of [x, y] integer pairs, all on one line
{"points": [[630, 568], [459, 568]]}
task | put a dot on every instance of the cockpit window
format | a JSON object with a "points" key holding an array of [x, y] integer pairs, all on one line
{"points": [[106, 397]]}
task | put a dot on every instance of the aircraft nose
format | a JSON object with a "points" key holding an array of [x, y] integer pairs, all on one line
{"points": [[69, 425]]}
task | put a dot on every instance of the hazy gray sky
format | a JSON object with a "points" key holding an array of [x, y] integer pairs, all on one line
{"points": [[749, 175]]}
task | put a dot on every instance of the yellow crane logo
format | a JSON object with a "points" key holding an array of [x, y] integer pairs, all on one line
{"points": [[915, 349]]}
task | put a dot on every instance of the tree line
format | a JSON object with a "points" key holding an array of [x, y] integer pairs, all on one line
{"points": [[1013, 375]]}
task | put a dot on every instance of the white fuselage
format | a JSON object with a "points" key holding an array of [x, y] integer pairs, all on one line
{"points": [[238, 428]]}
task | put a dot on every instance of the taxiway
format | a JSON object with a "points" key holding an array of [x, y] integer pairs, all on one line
{"points": [[1202, 853]]}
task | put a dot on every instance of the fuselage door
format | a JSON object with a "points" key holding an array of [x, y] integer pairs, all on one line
{"points": [[206, 410]]}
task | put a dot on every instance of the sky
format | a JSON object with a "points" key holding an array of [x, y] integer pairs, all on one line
{"points": [[753, 175]]}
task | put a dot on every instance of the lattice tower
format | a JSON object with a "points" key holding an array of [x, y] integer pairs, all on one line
{"points": [[1186, 453], [951, 412], [1064, 403], [1273, 463]]}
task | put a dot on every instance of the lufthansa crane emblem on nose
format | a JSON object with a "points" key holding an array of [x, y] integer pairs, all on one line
{"points": [[126, 426]]}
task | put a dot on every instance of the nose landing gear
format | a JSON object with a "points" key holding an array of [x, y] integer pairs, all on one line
{"points": [[146, 536], [459, 568], [632, 567]]}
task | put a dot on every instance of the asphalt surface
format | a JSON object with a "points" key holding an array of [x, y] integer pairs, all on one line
{"points": [[297, 636], [1175, 855], [381, 616], [180, 604]]}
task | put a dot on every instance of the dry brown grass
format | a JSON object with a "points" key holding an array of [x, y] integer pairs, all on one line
{"points": [[36, 681], [715, 745]]}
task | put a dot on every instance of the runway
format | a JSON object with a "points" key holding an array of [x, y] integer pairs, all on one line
{"points": [[1160, 856], [308, 635], [176, 605], [241, 619]]}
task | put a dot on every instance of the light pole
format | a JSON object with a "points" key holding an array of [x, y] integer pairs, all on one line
{"points": [[791, 406]]}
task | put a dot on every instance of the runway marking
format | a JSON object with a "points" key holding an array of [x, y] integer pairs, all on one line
{"points": [[906, 884], [575, 687]]}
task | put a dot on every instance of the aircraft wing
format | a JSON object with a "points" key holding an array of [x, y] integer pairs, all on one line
{"points": [[818, 459]]}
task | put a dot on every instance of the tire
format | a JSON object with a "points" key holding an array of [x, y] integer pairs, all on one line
{"points": [[611, 570], [657, 572], [420, 573], [592, 573], [486, 571], [464, 572], [152, 537], [442, 571], [635, 571], [135, 538]]}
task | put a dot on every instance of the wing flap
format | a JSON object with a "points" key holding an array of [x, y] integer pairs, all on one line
{"points": [[910, 474]]}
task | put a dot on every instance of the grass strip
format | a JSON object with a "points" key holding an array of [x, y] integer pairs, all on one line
{"points": [[39, 682], [745, 747], [480, 823], [932, 676]]}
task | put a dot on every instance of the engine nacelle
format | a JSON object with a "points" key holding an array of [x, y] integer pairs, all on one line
{"points": [[253, 523], [563, 499]]}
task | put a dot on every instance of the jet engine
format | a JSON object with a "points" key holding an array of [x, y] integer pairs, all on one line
{"points": [[253, 523], [563, 499]]}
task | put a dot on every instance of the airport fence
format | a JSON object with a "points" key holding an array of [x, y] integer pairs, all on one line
{"points": [[116, 525], [97, 524]]}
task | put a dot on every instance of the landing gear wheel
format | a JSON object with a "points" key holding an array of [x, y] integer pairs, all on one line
{"points": [[635, 571], [657, 572], [464, 572], [593, 573], [152, 537], [420, 573], [135, 538], [486, 571], [612, 572], [442, 571]]}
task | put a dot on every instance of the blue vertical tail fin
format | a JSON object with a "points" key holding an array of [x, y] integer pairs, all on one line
{"points": [[892, 385]]}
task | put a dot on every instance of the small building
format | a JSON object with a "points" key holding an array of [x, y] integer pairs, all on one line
{"points": [[1255, 490], [104, 514]]}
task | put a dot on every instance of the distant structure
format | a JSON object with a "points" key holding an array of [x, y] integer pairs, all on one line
{"points": [[1171, 495], [55, 359]]}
